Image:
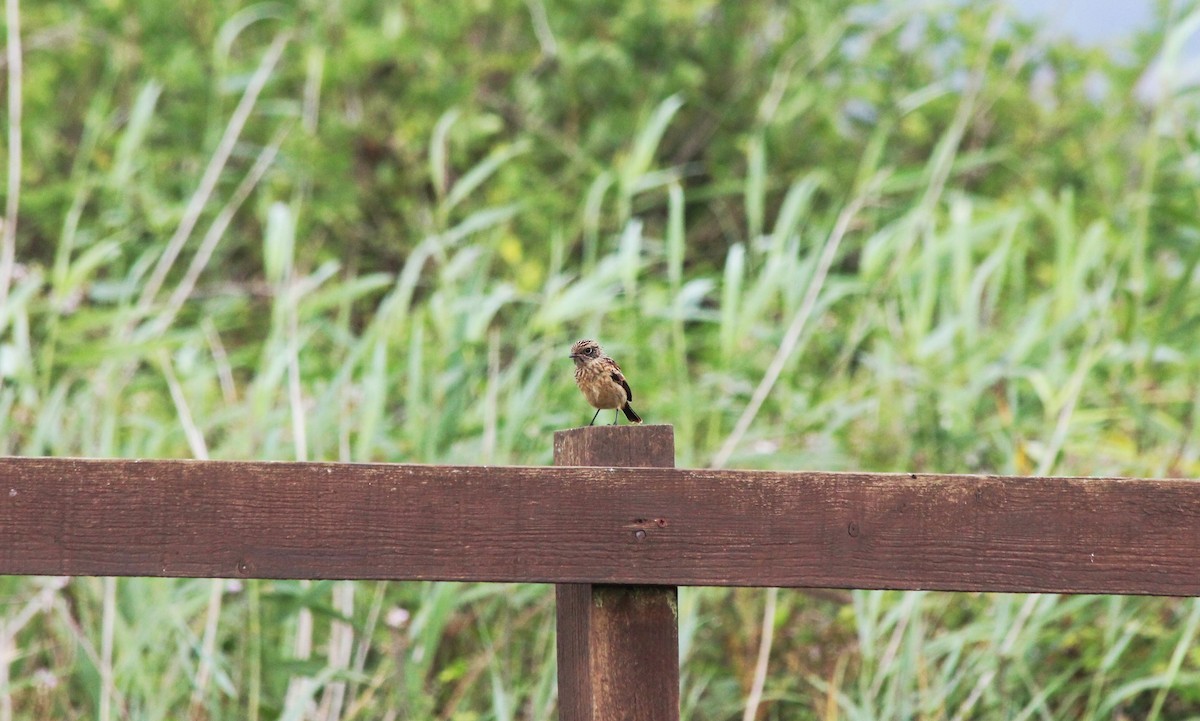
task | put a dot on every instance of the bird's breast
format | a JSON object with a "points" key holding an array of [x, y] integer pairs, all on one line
{"points": [[598, 386]]}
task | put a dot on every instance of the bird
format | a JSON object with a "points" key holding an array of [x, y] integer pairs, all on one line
{"points": [[601, 381]]}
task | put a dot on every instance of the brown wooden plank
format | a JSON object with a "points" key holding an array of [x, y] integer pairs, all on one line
{"points": [[575, 525], [618, 652], [616, 446], [618, 646]]}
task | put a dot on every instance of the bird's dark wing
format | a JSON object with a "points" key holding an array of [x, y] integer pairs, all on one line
{"points": [[619, 378]]}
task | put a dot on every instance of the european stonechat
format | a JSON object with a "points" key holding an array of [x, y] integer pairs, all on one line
{"points": [[601, 381]]}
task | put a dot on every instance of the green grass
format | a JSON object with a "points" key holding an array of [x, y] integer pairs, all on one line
{"points": [[834, 237]]}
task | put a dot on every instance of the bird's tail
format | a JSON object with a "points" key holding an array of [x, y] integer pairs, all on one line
{"points": [[631, 414]]}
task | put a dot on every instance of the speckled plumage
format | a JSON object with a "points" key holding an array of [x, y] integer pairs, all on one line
{"points": [[601, 381]]}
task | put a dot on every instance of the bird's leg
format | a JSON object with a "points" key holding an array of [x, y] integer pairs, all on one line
{"points": [[615, 412], [594, 417]]}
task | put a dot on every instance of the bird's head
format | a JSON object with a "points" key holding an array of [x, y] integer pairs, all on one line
{"points": [[585, 350]]}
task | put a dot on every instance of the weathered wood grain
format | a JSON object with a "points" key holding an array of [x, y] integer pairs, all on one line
{"points": [[618, 652], [616, 446], [603, 525], [618, 646]]}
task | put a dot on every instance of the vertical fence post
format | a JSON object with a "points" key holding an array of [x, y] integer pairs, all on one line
{"points": [[618, 646]]}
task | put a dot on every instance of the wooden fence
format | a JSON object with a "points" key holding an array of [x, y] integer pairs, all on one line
{"points": [[614, 524]]}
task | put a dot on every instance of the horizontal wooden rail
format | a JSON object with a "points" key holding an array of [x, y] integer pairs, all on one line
{"points": [[599, 525]]}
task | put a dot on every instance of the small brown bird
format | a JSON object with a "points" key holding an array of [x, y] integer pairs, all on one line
{"points": [[601, 380]]}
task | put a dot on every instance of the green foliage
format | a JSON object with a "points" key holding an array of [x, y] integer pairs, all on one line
{"points": [[367, 231]]}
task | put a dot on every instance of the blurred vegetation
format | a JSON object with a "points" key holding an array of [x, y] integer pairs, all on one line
{"points": [[825, 234]]}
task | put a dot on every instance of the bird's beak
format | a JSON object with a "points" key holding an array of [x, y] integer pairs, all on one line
{"points": [[573, 356]]}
